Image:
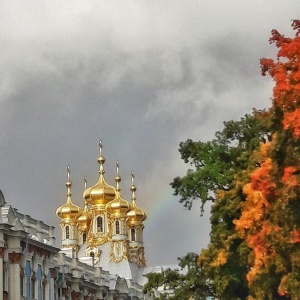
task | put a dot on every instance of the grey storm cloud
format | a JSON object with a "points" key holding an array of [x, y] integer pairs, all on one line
{"points": [[140, 75]]}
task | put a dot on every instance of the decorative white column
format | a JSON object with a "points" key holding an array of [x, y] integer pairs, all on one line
{"points": [[99, 295], [1, 271], [51, 283], [14, 278], [65, 292], [75, 291]]}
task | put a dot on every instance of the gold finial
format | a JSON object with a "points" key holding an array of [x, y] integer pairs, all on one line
{"points": [[101, 159], [118, 178], [100, 147], [85, 182], [117, 167], [68, 183], [132, 188], [68, 173]]}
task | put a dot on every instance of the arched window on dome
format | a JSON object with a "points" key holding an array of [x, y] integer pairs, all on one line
{"points": [[67, 232], [84, 237], [133, 235], [117, 224], [99, 224]]}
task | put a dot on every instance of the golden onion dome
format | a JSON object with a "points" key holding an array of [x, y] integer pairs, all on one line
{"points": [[69, 211], [118, 207], [101, 193], [85, 218], [136, 215]]}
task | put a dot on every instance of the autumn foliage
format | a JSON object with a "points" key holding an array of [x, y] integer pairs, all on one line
{"points": [[250, 174], [270, 217]]}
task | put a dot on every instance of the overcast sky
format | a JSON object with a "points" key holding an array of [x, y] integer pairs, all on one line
{"points": [[139, 75]]}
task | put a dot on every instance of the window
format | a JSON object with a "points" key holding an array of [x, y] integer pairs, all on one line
{"points": [[67, 232], [33, 287], [22, 282], [39, 282], [117, 227], [28, 279], [84, 237], [99, 224], [132, 232], [4, 275], [43, 290]]}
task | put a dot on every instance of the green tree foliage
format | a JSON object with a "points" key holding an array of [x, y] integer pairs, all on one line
{"points": [[250, 174], [217, 175], [185, 283], [214, 163]]}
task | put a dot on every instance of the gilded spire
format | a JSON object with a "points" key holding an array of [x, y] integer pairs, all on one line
{"points": [[68, 173], [69, 211], [136, 215], [68, 184], [85, 182], [118, 178], [101, 159], [100, 193], [132, 188], [84, 219], [118, 206]]}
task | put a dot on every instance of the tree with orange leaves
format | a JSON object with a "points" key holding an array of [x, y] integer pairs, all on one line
{"points": [[251, 173], [219, 170], [270, 218]]}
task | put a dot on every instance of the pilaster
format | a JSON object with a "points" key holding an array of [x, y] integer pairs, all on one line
{"points": [[65, 292], [2, 249], [75, 295], [52, 280], [14, 278]]}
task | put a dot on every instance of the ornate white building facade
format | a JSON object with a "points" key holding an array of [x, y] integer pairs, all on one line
{"points": [[101, 256]]}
